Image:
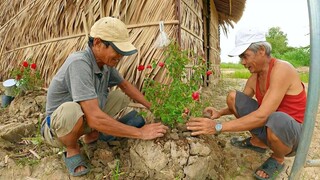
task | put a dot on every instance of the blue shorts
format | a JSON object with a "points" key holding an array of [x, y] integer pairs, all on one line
{"points": [[286, 128]]}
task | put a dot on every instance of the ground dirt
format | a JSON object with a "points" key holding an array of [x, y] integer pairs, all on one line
{"points": [[23, 155]]}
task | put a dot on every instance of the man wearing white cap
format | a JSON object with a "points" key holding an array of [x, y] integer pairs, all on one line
{"points": [[79, 102], [274, 118]]}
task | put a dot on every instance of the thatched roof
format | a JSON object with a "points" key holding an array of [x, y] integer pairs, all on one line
{"points": [[230, 11], [49, 30]]}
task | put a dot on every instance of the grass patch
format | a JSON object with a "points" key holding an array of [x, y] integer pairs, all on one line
{"points": [[231, 66], [238, 74], [233, 70], [304, 77], [237, 71], [28, 161], [116, 173]]}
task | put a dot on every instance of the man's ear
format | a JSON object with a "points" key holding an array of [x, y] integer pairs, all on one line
{"points": [[262, 50], [96, 42]]}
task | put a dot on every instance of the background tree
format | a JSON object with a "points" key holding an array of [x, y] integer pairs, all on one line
{"points": [[296, 56], [278, 40]]}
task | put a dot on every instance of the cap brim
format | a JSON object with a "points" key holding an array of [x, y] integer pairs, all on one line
{"points": [[238, 50], [124, 48]]}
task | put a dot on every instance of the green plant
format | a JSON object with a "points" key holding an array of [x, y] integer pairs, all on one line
{"points": [[304, 77], [181, 95], [37, 139], [116, 172], [297, 57], [27, 76], [28, 161]]}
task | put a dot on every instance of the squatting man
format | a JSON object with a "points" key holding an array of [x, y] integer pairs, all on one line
{"points": [[79, 102], [274, 117]]}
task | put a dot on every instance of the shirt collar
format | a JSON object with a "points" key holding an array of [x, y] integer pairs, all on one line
{"points": [[96, 68]]}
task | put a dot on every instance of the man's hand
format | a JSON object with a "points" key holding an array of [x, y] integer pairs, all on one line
{"points": [[152, 131], [201, 126], [211, 113]]}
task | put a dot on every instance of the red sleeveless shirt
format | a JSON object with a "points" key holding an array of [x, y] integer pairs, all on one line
{"points": [[293, 105]]}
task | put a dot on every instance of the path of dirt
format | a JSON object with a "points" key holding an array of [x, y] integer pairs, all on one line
{"points": [[26, 159]]}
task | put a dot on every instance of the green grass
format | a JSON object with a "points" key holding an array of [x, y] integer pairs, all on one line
{"points": [[231, 66], [304, 77], [116, 173], [238, 74], [241, 73]]}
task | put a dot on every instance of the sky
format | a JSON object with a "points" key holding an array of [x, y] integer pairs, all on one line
{"points": [[290, 15]]}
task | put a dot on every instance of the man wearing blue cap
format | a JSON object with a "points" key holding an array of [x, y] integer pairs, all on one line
{"points": [[79, 102], [274, 118]]}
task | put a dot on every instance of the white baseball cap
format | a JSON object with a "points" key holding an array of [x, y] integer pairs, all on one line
{"points": [[116, 33], [244, 38]]}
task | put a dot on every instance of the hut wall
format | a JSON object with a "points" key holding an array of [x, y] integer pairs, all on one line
{"points": [[48, 31]]}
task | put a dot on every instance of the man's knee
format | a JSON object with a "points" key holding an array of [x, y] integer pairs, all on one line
{"points": [[282, 127], [116, 101], [66, 117], [231, 98]]}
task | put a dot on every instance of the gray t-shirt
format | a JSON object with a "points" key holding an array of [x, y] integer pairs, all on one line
{"points": [[79, 79]]}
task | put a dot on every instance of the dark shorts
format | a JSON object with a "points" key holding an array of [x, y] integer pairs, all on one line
{"points": [[282, 125]]}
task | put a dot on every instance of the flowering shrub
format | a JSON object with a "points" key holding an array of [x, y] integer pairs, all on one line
{"points": [[27, 76], [181, 95]]}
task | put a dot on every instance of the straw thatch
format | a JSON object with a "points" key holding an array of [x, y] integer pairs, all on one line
{"points": [[230, 11], [48, 31]]}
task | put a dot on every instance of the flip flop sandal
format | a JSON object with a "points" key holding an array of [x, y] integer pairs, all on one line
{"points": [[246, 144], [271, 167], [75, 161]]}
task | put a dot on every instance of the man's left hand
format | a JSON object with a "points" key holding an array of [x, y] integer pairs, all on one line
{"points": [[200, 125]]}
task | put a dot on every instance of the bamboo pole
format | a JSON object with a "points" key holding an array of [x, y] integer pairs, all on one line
{"points": [[171, 22], [47, 41], [191, 33]]}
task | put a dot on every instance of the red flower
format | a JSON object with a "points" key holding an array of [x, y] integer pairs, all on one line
{"points": [[149, 66], [18, 77], [209, 73], [140, 68], [161, 64], [195, 96], [33, 66], [25, 64]]}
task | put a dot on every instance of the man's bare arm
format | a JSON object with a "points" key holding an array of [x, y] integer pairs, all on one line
{"points": [[134, 93]]}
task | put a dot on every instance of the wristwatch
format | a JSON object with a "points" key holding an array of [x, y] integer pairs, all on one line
{"points": [[218, 128]]}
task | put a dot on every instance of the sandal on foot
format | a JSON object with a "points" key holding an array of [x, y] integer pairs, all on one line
{"points": [[75, 161], [271, 167], [246, 144]]}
